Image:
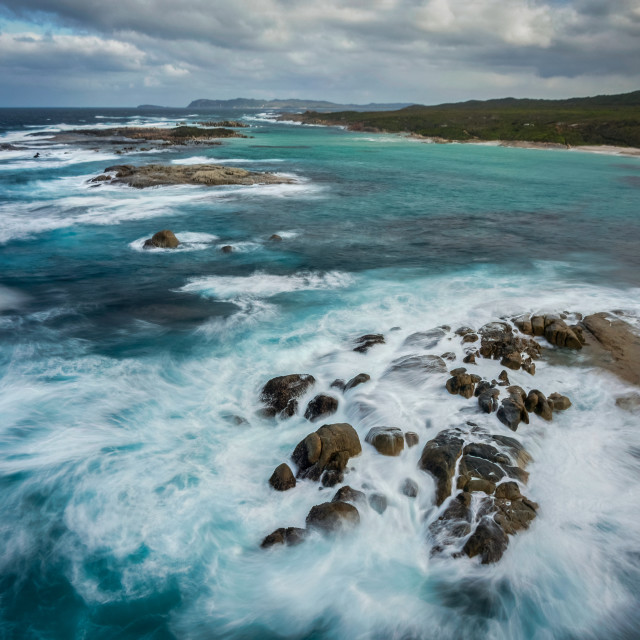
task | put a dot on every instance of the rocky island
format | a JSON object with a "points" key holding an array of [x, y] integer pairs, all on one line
{"points": [[156, 175]]}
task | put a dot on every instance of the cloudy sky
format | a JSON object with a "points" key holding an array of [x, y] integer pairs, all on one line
{"points": [[127, 52]]}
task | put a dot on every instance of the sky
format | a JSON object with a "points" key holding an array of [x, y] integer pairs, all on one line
{"points": [[169, 52]]}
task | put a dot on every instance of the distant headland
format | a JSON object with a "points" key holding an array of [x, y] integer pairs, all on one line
{"points": [[292, 103]]}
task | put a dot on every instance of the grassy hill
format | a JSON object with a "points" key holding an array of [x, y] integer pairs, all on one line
{"points": [[610, 120]]}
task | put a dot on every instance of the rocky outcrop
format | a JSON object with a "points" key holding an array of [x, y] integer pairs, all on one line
{"points": [[209, 175], [280, 394], [500, 343], [378, 502], [388, 441], [321, 407], [410, 367], [439, 458], [553, 328], [347, 494], [462, 383], [331, 517], [364, 343], [327, 451], [513, 411], [425, 339], [164, 239], [282, 478]]}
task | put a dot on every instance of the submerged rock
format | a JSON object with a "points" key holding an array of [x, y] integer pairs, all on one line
{"points": [[361, 378], [164, 239], [330, 517], [347, 494], [425, 339], [364, 343], [290, 536], [327, 449], [439, 458], [411, 438], [275, 238], [411, 365], [378, 502], [409, 488], [388, 441], [280, 394]]}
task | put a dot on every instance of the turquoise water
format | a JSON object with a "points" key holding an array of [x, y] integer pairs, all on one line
{"points": [[133, 505]]}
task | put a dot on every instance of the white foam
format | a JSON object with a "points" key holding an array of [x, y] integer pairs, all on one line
{"points": [[223, 161], [265, 285]]}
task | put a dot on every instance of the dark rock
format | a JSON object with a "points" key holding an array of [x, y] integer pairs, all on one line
{"points": [[331, 478], [417, 364], [101, 178], [289, 536], [529, 366], [332, 516], [472, 467], [282, 478], [514, 515], [364, 343], [559, 402], [279, 394], [425, 339], [470, 337], [628, 402], [512, 412], [338, 383], [537, 402], [515, 448], [347, 494], [503, 377], [329, 448], [378, 502], [537, 325], [455, 522], [409, 488], [449, 355], [488, 541], [488, 400], [164, 239], [464, 331], [500, 343], [517, 392], [361, 378], [470, 358], [388, 441], [321, 407], [439, 458], [508, 491], [411, 438], [558, 333], [275, 238], [512, 361], [487, 452], [482, 386], [471, 485], [227, 249], [461, 383], [523, 323]]}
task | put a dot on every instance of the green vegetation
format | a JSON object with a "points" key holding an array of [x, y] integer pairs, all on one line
{"points": [[609, 120]]}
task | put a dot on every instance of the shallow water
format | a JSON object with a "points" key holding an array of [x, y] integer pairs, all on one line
{"points": [[133, 503]]}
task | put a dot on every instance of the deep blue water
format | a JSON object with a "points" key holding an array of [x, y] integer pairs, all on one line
{"points": [[133, 506]]}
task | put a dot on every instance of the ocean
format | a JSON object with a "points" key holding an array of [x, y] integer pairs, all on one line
{"points": [[134, 460]]}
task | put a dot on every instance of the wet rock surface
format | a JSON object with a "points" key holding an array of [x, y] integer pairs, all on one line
{"points": [[389, 441], [321, 407], [361, 378], [280, 394], [289, 536], [282, 478], [364, 343], [164, 239], [439, 458], [331, 517]]}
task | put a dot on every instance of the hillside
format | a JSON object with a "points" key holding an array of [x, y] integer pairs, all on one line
{"points": [[316, 105], [599, 120]]}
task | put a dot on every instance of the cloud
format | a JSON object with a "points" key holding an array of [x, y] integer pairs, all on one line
{"points": [[413, 50]]}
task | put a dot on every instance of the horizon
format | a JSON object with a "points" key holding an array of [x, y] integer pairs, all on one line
{"points": [[429, 52]]}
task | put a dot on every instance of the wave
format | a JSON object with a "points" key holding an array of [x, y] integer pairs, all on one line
{"points": [[208, 160], [264, 285]]}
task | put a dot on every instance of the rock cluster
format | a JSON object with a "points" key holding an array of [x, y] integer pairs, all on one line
{"points": [[553, 328]]}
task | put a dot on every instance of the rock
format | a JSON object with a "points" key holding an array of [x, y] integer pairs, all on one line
{"points": [[499, 343], [470, 337], [411, 438], [338, 384], [512, 412], [482, 386], [378, 502], [512, 361], [488, 541], [487, 452], [559, 402], [523, 323], [329, 448], [558, 333], [517, 392], [280, 394], [508, 491], [388, 441], [347, 494], [529, 366], [361, 378], [463, 331], [425, 339], [537, 325], [282, 478], [488, 400], [364, 343], [289, 536], [103, 177], [329, 517], [476, 485], [320, 407], [515, 448], [449, 355], [455, 522], [439, 458], [473, 467], [537, 402], [629, 402], [614, 345], [409, 488], [504, 379], [514, 514], [410, 365], [227, 249], [470, 358], [332, 477], [461, 383], [208, 175], [164, 239], [275, 238]]}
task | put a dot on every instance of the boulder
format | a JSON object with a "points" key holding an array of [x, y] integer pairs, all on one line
{"points": [[488, 541], [503, 379], [411, 365], [321, 407], [275, 238], [454, 523], [515, 449], [425, 339], [559, 402], [487, 452], [462, 383], [330, 517], [488, 400], [448, 355], [361, 378], [538, 404], [327, 449], [289, 536], [470, 337], [439, 458], [282, 478], [347, 494], [280, 394], [338, 383], [512, 412], [500, 343], [514, 514], [388, 441], [558, 333], [409, 488], [629, 402], [411, 438], [227, 249], [164, 239], [470, 358], [378, 502], [364, 343], [473, 467]]}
